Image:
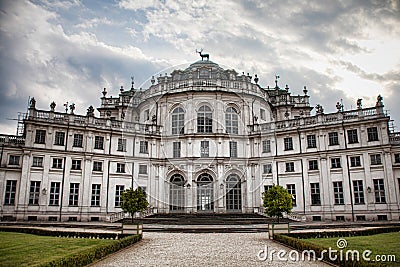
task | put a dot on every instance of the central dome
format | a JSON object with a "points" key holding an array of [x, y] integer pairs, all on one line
{"points": [[203, 63]]}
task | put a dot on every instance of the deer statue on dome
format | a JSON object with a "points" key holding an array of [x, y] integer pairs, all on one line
{"points": [[207, 56]]}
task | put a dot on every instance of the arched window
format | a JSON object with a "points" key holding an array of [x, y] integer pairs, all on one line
{"points": [[231, 121], [177, 193], [233, 193], [204, 120], [178, 121], [205, 193]]}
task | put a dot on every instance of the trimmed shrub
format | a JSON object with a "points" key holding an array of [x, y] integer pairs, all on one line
{"points": [[90, 255], [373, 231], [44, 232], [294, 240]]}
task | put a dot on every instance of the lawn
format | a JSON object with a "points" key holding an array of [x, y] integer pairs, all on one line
{"points": [[380, 244], [18, 249]]}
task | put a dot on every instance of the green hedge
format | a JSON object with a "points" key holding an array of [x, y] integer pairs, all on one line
{"points": [[88, 256], [294, 240], [372, 231], [301, 245], [44, 232]]}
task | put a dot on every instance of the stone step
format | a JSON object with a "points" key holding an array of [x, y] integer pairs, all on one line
{"points": [[205, 219]]}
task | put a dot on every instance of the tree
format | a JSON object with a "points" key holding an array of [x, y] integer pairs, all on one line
{"points": [[134, 201], [277, 200]]}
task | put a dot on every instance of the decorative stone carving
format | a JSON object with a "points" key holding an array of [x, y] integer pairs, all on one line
{"points": [[339, 107], [52, 106], [32, 103], [90, 111], [72, 108], [319, 109], [379, 102], [359, 103]]}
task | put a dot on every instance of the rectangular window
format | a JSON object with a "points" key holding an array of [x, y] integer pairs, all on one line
{"points": [[340, 218], [97, 166], [376, 159], [288, 141], [358, 192], [122, 145], [11, 189], [176, 150], [335, 163], [333, 139], [291, 188], [121, 167], [54, 194], [37, 162], [311, 141], [313, 165], [34, 191], [59, 138], [355, 161], [57, 163], [233, 149], [267, 168], [144, 147], [379, 189], [315, 194], [267, 187], [142, 169], [13, 160], [98, 142], [266, 146], [316, 218], [398, 183], [73, 194], [178, 121], [204, 149], [119, 189], [146, 115], [382, 217], [360, 217], [204, 120], [262, 114], [96, 190], [40, 136], [352, 136], [396, 158], [289, 166], [372, 134], [78, 140], [76, 164], [338, 193]]}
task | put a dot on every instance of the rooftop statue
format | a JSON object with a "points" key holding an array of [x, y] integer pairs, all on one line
{"points": [[207, 56]]}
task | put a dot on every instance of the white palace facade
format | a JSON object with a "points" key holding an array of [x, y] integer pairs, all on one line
{"points": [[203, 139]]}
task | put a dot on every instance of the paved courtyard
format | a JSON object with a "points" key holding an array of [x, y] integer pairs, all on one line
{"points": [[205, 249]]}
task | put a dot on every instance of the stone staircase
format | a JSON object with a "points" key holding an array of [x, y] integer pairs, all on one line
{"points": [[205, 222]]}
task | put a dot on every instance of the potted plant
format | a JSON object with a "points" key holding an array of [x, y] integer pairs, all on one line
{"points": [[276, 201], [133, 201]]}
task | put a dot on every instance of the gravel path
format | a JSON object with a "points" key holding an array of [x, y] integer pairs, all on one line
{"points": [[205, 249]]}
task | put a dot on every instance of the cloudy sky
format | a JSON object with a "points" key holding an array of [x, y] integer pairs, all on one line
{"points": [[69, 50]]}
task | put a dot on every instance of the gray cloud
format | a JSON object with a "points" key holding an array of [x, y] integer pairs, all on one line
{"points": [[68, 51]]}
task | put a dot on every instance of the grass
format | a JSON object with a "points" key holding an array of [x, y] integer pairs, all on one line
{"points": [[18, 249], [380, 244]]}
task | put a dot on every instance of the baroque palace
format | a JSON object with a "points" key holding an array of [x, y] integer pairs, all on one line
{"points": [[203, 139]]}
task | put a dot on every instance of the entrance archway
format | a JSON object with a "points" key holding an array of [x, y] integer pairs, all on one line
{"points": [[205, 193], [233, 193], [177, 193]]}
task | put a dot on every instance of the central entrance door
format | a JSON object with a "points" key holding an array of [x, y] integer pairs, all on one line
{"points": [[205, 193], [233, 193], [177, 193]]}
